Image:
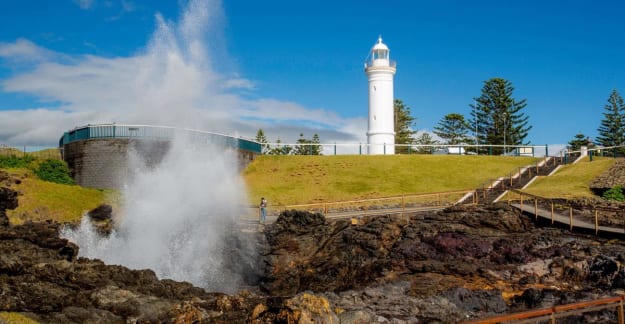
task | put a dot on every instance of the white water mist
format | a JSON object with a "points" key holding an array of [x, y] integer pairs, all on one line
{"points": [[177, 216]]}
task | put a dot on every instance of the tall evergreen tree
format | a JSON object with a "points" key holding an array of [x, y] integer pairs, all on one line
{"points": [[453, 128], [612, 129], [316, 148], [499, 117], [576, 143], [404, 123], [429, 142], [260, 138], [307, 147], [280, 149]]}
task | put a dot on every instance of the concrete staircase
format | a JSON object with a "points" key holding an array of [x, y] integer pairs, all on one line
{"points": [[492, 190]]}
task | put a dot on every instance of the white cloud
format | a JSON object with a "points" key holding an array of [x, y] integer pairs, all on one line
{"points": [[171, 82], [23, 50], [84, 4], [128, 5]]}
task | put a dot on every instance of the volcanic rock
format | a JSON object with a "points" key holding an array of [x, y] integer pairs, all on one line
{"points": [[101, 213], [442, 266], [461, 263], [614, 176]]}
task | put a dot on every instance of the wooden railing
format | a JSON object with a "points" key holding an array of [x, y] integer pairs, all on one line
{"points": [[555, 312], [597, 218], [375, 206]]}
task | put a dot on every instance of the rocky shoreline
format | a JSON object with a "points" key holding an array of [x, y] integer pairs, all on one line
{"points": [[440, 267]]}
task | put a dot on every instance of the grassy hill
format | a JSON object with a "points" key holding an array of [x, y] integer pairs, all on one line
{"points": [[571, 181], [288, 180], [41, 200]]}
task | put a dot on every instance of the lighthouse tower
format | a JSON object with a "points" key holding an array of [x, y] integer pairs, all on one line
{"points": [[380, 71]]}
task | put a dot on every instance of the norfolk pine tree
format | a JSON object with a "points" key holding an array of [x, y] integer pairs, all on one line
{"points": [[576, 143], [497, 113], [403, 126], [612, 129], [307, 147], [428, 142], [453, 128], [260, 138]]}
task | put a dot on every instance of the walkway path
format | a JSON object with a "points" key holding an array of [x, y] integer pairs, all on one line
{"points": [[567, 220]]}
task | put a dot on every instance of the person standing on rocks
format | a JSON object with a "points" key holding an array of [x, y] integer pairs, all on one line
{"points": [[263, 209]]}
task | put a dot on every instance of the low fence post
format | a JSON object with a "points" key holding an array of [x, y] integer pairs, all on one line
{"points": [[571, 217], [596, 223], [552, 213], [536, 207]]}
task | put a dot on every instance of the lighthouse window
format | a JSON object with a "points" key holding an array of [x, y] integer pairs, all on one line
{"points": [[380, 54]]}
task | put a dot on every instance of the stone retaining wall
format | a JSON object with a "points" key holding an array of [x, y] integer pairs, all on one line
{"points": [[103, 163]]}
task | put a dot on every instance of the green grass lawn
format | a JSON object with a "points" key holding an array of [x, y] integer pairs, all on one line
{"points": [[286, 180], [40, 200], [571, 181]]}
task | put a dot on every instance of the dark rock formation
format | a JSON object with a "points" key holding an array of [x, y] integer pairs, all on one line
{"points": [[8, 197], [101, 213], [614, 176], [448, 266], [443, 266]]}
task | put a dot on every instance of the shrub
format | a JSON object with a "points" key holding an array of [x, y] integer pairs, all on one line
{"points": [[615, 193], [54, 171], [13, 162]]}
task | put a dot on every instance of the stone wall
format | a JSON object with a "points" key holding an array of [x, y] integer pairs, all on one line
{"points": [[103, 163]]}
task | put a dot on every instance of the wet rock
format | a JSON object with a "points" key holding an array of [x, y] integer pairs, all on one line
{"points": [[8, 200], [101, 213]]}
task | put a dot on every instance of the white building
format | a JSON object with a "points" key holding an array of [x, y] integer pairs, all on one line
{"points": [[380, 71]]}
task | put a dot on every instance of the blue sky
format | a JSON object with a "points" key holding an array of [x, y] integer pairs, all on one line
{"points": [[292, 66]]}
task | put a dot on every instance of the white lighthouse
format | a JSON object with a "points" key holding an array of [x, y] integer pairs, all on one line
{"points": [[380, 71]]}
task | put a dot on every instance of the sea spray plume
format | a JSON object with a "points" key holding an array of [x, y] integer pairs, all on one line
{"points": [[178, 219]]}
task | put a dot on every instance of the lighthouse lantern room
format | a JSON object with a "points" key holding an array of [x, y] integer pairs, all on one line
{"points": [[380, 70]]}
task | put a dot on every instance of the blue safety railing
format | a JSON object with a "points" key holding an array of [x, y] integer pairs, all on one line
{"points": [[155, 132]]}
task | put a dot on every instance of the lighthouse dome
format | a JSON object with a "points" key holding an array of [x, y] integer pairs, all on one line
{"points": [[380, 46]]}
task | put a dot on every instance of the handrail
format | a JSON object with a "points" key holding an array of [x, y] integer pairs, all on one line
{"points": [[569, 218], [356, 201], [403, 203], [558, 311], [153, 132]]}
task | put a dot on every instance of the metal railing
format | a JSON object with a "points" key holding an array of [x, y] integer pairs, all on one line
{"points": [[155, 132], [408, 149], [36, 152]]}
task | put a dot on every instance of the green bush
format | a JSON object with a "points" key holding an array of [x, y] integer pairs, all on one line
{"points": [[615, 193], [54, 171], [13, 162]]}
